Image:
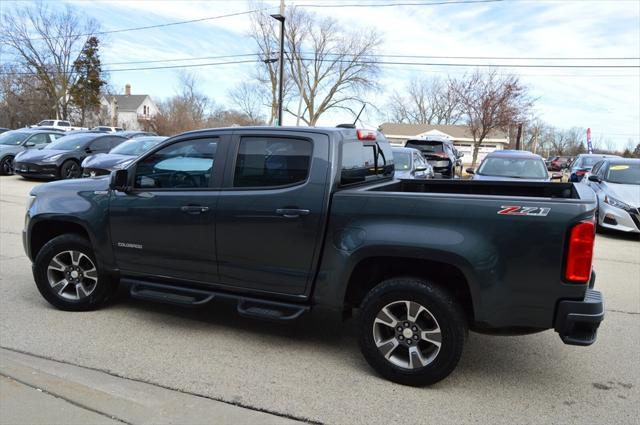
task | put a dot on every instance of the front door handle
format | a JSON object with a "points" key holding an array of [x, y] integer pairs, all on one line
{"points": [[292, 212], [194, 209]]}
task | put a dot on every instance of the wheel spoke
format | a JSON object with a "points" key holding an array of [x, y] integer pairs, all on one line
{"points": [[413, 310], [81, 291], [75, 257], [60, 286], [55, 264], [432, 336], [386, 317], [91, 274], [415, 358], [387, 346]]}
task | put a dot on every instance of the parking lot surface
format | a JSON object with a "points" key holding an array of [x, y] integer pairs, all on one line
{"points": [[309, 371]]}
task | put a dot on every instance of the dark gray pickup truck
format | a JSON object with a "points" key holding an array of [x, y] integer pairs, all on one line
{"points": [[288, 220]]}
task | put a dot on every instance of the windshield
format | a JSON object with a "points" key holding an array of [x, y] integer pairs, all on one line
{"points": [[12, 138], [522, 168], [425, 146], [137, 146], [69, 143], [589, 161], [624, 174], [402, 160]]}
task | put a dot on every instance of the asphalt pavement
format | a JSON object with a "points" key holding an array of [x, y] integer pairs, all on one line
{"points": [[314, 372]]}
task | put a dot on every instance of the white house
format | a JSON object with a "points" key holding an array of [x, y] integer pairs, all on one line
{"points": [[129, 111], [398, 134]]}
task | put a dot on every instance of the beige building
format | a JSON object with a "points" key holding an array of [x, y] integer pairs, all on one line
{"points": [[129, 111], [398, 134]]}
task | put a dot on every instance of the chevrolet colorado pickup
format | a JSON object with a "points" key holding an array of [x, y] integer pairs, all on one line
{"points": [[283, 221]]}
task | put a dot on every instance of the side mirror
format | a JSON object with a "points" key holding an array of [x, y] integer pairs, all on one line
{"points": [[119, 181], [594, 178], [29, 144], [88, 149], [556, 176], [470, 171], [420, 169], [460, 154]]}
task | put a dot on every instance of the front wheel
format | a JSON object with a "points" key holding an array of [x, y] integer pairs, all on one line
{"points": [[6, 166], [70, 170], [67, 275], [411, 331]]}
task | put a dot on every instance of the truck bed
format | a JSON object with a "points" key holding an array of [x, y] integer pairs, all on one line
{"points": [[473, 187]]}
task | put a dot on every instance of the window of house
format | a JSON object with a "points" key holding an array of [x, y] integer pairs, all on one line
{"points": [[272, 162]]}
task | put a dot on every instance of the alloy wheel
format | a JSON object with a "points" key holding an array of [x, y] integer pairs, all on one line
{"points": [[7, 166], [407, 334], [72, 275]]}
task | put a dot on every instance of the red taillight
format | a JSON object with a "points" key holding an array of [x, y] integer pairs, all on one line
{"points": [[580, 254], [366, 134], [581, 172]]}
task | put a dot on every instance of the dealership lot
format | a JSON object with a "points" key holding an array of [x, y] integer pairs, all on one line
{"points": [[314, 372]]}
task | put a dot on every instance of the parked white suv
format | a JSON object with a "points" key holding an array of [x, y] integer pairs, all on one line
{"points": [[58, 124]]}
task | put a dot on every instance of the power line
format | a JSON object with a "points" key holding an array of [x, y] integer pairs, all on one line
{"points": [[152, 26], [437, 3]]}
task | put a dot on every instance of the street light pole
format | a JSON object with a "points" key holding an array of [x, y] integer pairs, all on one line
{"points": [[280, 17]]}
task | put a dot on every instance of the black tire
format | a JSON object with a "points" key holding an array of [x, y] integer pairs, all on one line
{"points": [[6, 166], [70, 169], [441, 305], [103, 288]]}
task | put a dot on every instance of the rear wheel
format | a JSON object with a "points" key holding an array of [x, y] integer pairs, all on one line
{"points": [[7, 166], [70, 170], [411, 331], [66, 274]]}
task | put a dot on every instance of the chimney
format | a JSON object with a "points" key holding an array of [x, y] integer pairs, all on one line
{"points": [[127, 90]]}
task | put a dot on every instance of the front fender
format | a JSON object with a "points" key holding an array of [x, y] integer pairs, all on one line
{"points": [[81, 202]]}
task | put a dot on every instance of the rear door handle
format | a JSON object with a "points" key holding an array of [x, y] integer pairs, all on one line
{"points": [[292, 212], [194, 209]]}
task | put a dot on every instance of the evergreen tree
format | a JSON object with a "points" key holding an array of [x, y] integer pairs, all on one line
{"points": [[85, 93]]}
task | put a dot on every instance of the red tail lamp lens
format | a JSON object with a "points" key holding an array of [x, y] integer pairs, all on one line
{"points": [[580, 255]]}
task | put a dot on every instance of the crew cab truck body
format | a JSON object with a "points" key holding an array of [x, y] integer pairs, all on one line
{"points": [[287, 220]]}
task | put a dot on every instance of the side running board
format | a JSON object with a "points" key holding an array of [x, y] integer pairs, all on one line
{"points": [[190, 297]]}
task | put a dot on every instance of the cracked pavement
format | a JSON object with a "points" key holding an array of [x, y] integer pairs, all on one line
{"points": [[313, 371]]}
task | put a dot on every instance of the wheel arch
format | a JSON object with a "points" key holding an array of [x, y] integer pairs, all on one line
{"points": [[42, 231], [447, 273]]}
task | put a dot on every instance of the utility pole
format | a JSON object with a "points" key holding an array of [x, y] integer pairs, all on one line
{"points": [[280, 17], [519, 136]]}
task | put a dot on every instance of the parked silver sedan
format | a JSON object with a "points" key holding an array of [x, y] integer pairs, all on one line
{"points": [[410, 164], [616, 182]]}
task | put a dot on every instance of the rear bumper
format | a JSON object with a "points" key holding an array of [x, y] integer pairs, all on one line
{"points": [[577, 322]]}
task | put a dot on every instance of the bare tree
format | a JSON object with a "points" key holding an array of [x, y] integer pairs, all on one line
{"points": [[491, 102], [426, 101], [47, 42], [264, 33], [191, 109], [249, 98], [327, 67], [23, 100], [337, 71]]}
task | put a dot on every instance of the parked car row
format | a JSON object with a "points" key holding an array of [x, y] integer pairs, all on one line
{"points": [[52, 154]]}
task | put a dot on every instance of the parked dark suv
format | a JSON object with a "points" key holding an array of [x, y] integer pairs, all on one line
{"points": [[440, 154]]}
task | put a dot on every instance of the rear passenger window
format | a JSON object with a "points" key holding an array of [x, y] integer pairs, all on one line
{"points": [[362, 161], [272, 162]]}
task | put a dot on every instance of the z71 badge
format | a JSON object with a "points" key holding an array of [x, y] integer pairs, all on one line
{"points": [[518, 210]]}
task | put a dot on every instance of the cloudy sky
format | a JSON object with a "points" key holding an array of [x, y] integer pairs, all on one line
{"points": [[605, 99]]}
